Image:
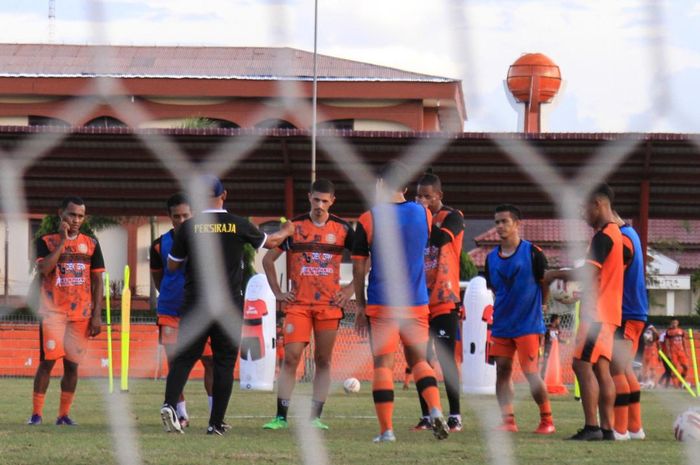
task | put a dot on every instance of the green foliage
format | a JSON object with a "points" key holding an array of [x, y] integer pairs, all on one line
{"points": [[49, 224], [248, 260], [467, 268], [197, 122], [663, 321]]}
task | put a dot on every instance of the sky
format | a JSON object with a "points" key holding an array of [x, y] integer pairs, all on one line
{"points": [[628, 66]]}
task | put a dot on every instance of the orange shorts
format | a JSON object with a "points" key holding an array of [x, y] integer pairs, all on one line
{"points": [[168, 327], [679, 358], [385, 333], [527, 346], [630, 330], [60, 338], [594, 340], [300, 320]]}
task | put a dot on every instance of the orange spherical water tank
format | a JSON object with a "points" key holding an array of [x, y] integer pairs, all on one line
{"points": [[534, 79]]}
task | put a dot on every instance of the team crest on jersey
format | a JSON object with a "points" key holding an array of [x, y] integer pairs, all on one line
{"points": [[330, 238], [82, 248]]}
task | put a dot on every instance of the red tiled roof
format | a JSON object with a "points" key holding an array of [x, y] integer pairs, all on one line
{"points": [[677, 239], [540, 231], [262, 63]]}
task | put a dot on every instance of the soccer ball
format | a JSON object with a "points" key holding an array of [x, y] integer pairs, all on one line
{"points": [[351, 386], [687, 425], [566, 292]]}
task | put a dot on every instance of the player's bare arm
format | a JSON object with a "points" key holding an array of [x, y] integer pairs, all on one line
{"points": [[97, 292], [275, 239], [48, 263], [268, 263], [174, 265], [157, 277], [359, 271]]}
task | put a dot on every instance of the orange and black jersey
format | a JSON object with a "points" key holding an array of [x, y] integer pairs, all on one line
{"points": [[442, 258], [606, 253], [675, 338], [315, 253], [67, 289]]}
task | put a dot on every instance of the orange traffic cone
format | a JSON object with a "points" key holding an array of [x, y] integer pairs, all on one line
{"points": [[552, 377]]}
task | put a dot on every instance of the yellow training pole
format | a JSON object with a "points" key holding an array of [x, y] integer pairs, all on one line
{"points": [[110, 366], [675, 372], [126, 330], [695, 361]]}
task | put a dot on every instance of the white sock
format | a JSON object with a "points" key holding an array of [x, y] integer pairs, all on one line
{"points": [[211, 402], [182, 410]]}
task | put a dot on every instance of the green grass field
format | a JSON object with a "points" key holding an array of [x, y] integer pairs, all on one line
{"points": [[348, 442]]}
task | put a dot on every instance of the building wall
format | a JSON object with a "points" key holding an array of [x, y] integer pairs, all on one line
{"points": [[18, 271]]}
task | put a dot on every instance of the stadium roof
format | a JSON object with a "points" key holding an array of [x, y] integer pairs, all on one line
{"points": [[117, 173], [249, 63]]}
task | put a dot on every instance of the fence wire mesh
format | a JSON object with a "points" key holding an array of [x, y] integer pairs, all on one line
{"points": [[567, 194]]}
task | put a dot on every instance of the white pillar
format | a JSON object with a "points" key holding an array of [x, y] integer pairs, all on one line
{"points": [[670, 303]]}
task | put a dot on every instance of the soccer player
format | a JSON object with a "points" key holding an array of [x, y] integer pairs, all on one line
{"points": [[676, 347], [601, 314], [650, 358], [227, 234], [635, 308], [396, 307], [69, 264], [316, 299], [170, 287], [514, 272], [442, 276]]}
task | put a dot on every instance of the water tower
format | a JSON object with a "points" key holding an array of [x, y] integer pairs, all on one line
{"points": [[533, 79]]}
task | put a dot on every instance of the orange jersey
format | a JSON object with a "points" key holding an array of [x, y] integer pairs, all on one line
{"points": [[67, 288], [442, 260], [674, 339], [314, 253], [606, 254]]}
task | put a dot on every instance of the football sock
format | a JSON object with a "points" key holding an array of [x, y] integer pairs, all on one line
{"points": [[622, 402], [316, 408], [181, 408], [282, 408], [383, 395], [38, 403], [507, 413], [634, 422], [424, 376], [425, 411], [545, 410], [211, 402], [65, 403]]}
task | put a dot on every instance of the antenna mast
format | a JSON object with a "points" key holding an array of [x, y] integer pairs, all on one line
{"points": [[52, 21]]}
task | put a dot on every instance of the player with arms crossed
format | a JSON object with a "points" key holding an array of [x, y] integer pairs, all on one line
{"points": [[442, 276], [170, 287], [514, 271], [69, 264], [601, 315], [396, 307], [316, 299]]}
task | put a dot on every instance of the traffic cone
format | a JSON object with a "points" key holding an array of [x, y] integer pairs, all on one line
{"points": [[552, 377]]}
